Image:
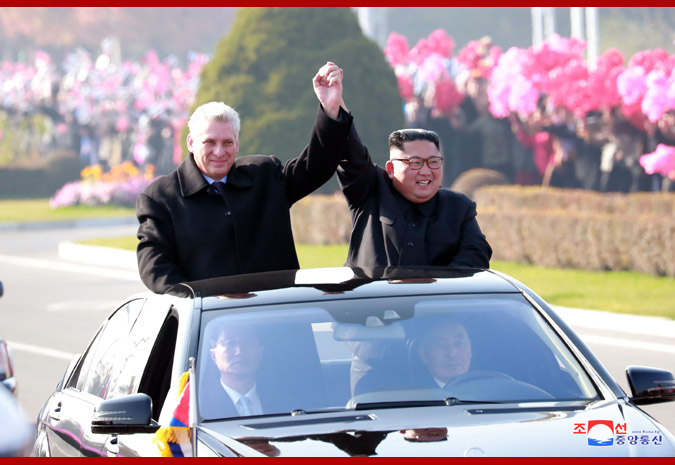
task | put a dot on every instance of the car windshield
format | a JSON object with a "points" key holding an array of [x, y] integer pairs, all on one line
{"points": [[353, 354]]}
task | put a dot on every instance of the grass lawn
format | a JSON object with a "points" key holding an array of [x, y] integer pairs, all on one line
{"points": [[39, 210], [614, 291]]}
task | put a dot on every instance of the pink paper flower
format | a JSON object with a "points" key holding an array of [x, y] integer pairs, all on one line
{"points": [[397, 50], [405, 88], [434, 68], [632, 85], [523, 97], [510, 89], [656, 102], [420, 51], [649, 59], [447, 97], [479, 57], [441, 43], [601, 91], [661, 161]]}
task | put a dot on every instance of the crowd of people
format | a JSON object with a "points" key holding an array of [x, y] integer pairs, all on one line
{"points": [[539, 116], [106, 110], [543, 116]]}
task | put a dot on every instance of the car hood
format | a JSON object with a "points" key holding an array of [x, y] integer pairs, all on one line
{"points": [[612, 428]]}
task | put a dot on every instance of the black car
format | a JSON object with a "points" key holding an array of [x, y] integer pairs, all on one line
{"points": [[347, 362]]}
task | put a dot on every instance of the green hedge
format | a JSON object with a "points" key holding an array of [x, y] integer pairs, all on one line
{"points": [[580, 229], [559, 228], [42, 179], [575, 200], [321, 220]]}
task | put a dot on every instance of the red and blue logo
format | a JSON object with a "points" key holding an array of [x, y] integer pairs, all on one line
{"points": [[600, 432]]}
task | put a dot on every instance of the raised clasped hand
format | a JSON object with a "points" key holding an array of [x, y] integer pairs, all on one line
{"points": [[328, 88]]}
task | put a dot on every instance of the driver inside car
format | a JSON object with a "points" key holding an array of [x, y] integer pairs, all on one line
{"points": [[445, 349]]}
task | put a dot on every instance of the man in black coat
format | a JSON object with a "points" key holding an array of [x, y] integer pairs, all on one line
{"points": [[400, 215], [192, 227]]}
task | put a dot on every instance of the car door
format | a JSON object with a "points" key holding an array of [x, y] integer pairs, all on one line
{"points": [[147, 372], [70, 410]]}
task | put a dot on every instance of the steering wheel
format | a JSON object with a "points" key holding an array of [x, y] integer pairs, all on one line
{"points": [[478, 375], [494, 385]]}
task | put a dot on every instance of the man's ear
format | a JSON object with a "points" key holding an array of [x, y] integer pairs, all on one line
{"points": [[189, 141], [390, 169]]}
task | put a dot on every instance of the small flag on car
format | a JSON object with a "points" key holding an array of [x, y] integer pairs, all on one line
{"points": [[175, 440]]}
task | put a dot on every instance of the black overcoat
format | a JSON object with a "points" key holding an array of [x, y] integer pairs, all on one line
{"points": [[188, 232], [453, 236]]}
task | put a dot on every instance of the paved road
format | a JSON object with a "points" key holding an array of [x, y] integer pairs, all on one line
{"points": [[57, 294], [52, 307]]}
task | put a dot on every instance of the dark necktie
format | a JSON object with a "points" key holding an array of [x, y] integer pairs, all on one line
{"points": [[219, 187]]}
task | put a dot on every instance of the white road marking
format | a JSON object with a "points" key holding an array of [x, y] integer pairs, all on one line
{"points": [[627, 343], [69, 267], [619, 322], [37, 350]]}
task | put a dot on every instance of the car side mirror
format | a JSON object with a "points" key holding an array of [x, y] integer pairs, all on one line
{"points": [[2, 290], [650, 385], [124, 415]]}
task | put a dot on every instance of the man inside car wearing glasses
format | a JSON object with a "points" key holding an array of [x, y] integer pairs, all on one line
{"points": [[400, 215]]}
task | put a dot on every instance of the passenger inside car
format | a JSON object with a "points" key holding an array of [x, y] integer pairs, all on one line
{"points": [[378, 366], [257, 356], [237, 352]]}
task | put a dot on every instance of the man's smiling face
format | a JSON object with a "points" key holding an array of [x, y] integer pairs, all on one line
{"points": [[214, 148], [418, 186]]}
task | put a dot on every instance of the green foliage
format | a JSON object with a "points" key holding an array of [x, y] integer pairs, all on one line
{"points": [[634, 29], [585, 230], [39, 177], [264, 69], [20, 137]]}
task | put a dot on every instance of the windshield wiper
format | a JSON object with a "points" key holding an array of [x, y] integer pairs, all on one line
{"points": [[448, 401], [456, 401]]}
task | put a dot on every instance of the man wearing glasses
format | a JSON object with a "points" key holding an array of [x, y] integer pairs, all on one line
{"points": [[400, 215]]}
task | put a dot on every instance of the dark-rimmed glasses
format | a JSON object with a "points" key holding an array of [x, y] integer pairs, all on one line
{"points": [[416, 163]]}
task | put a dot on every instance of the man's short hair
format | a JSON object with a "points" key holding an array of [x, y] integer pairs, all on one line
{"points": [[429, 325], [398, 138], [213, 111], [217, 328]]}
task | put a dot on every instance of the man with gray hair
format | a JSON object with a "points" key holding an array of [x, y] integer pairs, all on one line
{"points": [[217, 214]]}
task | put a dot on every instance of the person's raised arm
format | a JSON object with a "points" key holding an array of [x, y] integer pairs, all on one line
{"points": [[318, 161], [328, 89]]}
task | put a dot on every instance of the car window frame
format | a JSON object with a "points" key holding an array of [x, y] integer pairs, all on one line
{"points": [[77, 379]]}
